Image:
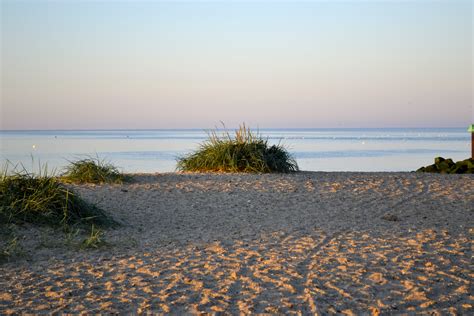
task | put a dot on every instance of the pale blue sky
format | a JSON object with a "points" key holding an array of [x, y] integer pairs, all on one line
{"points": [[152, 64]]}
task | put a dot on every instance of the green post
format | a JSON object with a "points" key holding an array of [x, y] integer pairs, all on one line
{"points": [[471, 129]]}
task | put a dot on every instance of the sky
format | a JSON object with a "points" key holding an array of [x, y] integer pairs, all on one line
{"points": [[192, 64]]}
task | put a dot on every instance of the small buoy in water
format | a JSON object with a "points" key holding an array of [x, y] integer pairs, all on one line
{"points": [[34, 146]]}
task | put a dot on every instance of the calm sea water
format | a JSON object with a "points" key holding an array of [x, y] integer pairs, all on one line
{"points": [[314, 149]]}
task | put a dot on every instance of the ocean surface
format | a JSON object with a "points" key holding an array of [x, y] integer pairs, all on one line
{"points": [[404, 149]]}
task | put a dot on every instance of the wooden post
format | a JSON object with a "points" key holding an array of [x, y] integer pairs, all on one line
{"points": [[471, 129]]}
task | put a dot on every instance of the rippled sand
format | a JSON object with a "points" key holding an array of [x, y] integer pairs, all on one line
{"points": [[326, 243]]}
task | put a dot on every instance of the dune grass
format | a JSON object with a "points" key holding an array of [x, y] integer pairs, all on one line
{"points": [[42, 199], [246, 152], [92, 170], [95, 239], [9, 245]]}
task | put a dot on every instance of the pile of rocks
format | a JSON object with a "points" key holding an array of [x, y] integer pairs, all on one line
{"points": [[442, 165]]}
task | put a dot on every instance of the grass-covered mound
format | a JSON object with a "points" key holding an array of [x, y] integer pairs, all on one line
{"points": [[442, 165], [245, 152], [92, 170], [42, 199]]}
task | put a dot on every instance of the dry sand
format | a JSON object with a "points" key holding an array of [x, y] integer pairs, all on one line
{"points": [[326, 243]]}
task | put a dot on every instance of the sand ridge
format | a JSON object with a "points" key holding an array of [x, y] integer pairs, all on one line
{"points": [[299, 243]]}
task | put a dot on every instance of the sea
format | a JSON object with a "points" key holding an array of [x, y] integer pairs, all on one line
{"points": [[150, 151]]}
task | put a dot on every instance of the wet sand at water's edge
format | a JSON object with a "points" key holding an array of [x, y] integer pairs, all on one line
{"points": [[326, 243]]}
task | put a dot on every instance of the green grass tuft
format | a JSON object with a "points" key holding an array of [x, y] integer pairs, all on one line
{"points": [[92, 170], [245, 152], [42, 199], [95, 239], [10, 248]]}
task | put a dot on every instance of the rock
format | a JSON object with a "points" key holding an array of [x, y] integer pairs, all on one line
{"points": [[422, 169], [470, 163], [444, 166], [431, 168], [459, 169], [448, 166], [450, 162]]}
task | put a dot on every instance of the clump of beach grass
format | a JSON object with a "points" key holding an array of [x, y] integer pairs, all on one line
{"points": [[95, 239], [246, 151], [92, 170], [42, 199], [10, 246]]}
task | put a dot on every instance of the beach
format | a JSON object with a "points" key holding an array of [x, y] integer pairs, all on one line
{"points": [[305, 243]]}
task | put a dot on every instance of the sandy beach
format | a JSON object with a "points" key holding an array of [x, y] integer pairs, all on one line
{"points": [[304, 243]]}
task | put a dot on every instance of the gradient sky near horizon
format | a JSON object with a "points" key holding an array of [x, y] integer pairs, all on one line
{"points": [[164, 64]]}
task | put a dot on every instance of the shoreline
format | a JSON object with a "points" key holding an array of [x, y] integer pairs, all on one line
{"points": [[327, 242]]}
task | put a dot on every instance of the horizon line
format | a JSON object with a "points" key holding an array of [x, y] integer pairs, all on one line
{"points": [[215, 128]]}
